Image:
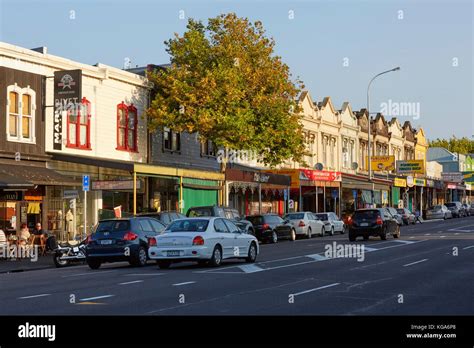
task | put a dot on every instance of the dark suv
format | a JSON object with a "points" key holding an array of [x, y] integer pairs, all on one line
{"points": [[165, 217], [122, 239], [225, 212], [372, 222], [271, 228]]}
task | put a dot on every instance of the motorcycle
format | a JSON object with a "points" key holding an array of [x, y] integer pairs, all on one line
{"points": [[64, 254]]}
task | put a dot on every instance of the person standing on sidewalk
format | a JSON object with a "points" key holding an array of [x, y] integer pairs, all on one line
{"points": [[40, 236]]}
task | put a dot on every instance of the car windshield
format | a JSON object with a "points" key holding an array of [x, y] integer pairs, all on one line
{"points": [[255, 220], [366, 214], [323, 217], [450, 204], [188, 225], [196, 212], [298, 216], [436, 207], [113, 226]]}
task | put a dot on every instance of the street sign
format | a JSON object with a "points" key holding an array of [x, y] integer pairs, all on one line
{"points": [[354, 193], [291, 204], [85, 183], [410, 181], [285, 195], [335, 193]]}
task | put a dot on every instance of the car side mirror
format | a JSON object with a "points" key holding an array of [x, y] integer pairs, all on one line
{"points": [[286, 221]]}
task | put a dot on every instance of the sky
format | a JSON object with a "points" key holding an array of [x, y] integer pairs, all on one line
{"points": [[334, 46]]}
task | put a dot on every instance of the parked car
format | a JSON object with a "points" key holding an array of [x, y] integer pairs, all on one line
{"points": [[396, 215], [467, 209], [165, 217], [271, 228], [372, 222], [207, 240], [471, 208], [456, 209], [225, 212], [438, 212], [305, 224], [407, 216], [332, 223], [122, 239]]}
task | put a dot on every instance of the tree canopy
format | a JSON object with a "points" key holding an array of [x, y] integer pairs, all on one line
{"points": [[226, 84], [460, 145]]}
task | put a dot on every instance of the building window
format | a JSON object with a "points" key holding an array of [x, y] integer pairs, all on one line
{"points": [[325, 150], [345, 154], [332, 147], [171, 140], [127, 126], [351, 152], [21, 109], [79, 126], [208, 148]]}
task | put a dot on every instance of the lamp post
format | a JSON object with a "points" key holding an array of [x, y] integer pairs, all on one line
{"points": [[369, 119]]}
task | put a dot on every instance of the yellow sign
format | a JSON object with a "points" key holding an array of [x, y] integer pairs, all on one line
{"points": [[399, 182], [411, 166], [382, 163]]}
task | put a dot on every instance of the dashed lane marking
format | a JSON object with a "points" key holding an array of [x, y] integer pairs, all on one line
{"points": [[414, 263], [33, 296], [132, 282], [88, 273], [185, 283], [315, 289], [95, 298], [468, 247]]}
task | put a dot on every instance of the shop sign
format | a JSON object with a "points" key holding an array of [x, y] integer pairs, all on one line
{"points": [[420, 182], [452, 177], [382, 163], [451, 186], [114, 185], [410, 166], [468, 187], [400, 182], [34, 195], [67, 95], [321, 175], [10, 196], [261, 177], [468, 177], [70, 194], [410, 181]]}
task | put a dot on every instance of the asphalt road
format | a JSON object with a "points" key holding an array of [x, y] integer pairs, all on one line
{"points": [[428, 271]]}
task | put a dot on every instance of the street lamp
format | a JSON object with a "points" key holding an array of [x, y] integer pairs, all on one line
{"points": [[368, 116]]}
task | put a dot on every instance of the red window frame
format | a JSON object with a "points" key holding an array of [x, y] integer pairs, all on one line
{"points": [[78, 124], [126, 129]]}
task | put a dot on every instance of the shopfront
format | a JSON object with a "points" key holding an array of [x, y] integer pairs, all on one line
{"points": [[398, 189], [252, 191]]}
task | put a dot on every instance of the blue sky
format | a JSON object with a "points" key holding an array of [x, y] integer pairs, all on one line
{"points": [[425, 40]]}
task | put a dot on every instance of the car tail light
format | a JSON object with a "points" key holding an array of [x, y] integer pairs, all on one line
{"points": [[130, 236], [265, 226], [302, 224], [88, 239], [379, 220], [198, 240], [349, 220], [151, 241]]}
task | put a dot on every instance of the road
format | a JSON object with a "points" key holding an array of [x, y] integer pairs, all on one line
{"points": [[428, 271]]}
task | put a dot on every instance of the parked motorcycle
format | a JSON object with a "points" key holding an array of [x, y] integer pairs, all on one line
{"points": [[65, 254]]}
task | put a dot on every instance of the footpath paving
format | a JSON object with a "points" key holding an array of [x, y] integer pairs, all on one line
{"points": [[11, 263]]}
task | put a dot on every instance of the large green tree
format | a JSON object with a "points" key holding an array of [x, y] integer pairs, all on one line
{"points": [[460, 145], [226, 84]]}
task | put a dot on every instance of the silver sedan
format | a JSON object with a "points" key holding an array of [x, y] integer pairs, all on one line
{"points": [[207, 240], [438, 212]]}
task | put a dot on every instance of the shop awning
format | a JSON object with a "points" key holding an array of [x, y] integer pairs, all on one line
{"points": [[36, 175], [8, 181]]}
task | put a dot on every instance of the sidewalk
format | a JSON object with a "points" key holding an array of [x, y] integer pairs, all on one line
{"points": [[26, 264]]}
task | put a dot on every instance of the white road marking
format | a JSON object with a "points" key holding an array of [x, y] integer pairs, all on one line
{"points": [[95, 298], [32, 296], [89, 273], [412, 237], [404, 241], [185, 283], [442, 236], [427, 234], [367, 249], [251, 268], [414, 263], [317, 257], [143, 274], [315, 289], [132, 282], [468, 247]]}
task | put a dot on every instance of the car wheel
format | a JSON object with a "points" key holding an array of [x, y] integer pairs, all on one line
{"points": [[397, 235], [216, 258], [309, 235], [383, 235], [252, 256], [444, 217], [94, 264], [163, 264], [274, 238], [323, 230], [139, 259], [352, 238], [332, 231], [292, 235]]}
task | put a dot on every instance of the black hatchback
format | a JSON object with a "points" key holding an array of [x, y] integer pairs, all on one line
{"points": [[271, 228], [122, 239], [372, 222]]}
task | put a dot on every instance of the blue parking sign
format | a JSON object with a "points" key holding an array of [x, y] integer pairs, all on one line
{"points": [[85, 183]]}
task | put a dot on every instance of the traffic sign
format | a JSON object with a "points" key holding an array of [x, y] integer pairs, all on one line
{"points": [[354, 193], [335, 193], [85, 183], [285, 195], [291, 204]]}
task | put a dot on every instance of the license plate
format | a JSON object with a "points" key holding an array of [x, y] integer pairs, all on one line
{"points": [[364, 224], [106, 241], [172, 253], [75, 249]]}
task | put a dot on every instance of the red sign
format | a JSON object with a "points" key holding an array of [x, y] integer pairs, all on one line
{"points": [[452, 186], [320, 175]]}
